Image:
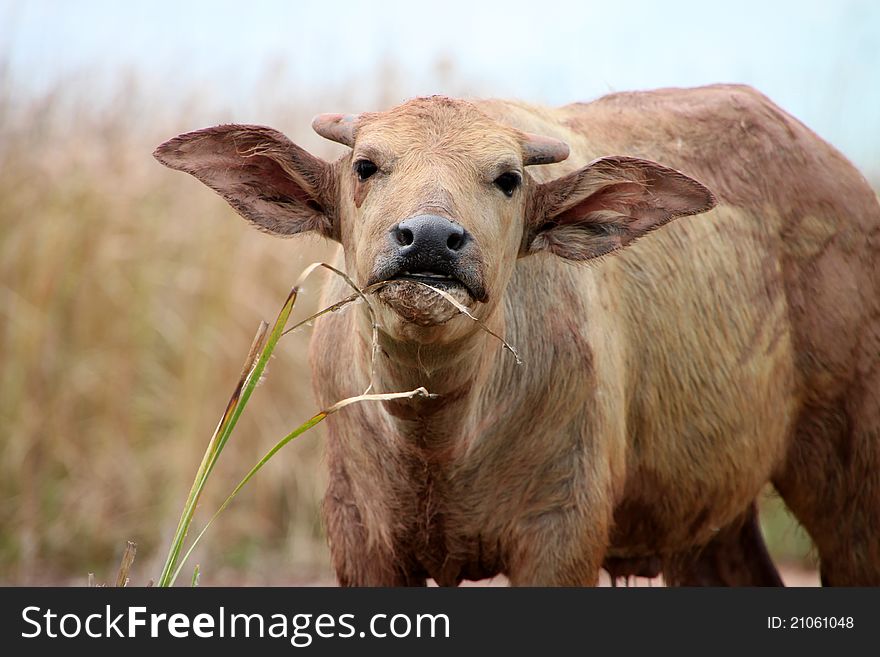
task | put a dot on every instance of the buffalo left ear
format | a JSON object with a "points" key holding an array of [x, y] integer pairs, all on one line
{"points": [[607, 205], [270, 181]]}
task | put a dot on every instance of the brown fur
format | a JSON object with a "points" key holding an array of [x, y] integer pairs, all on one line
{"points": [[664, 385]]}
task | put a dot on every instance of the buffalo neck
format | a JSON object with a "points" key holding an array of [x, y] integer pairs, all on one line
{"points": [[453, 373]]}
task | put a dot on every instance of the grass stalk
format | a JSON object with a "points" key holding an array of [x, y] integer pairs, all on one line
{"points": [[125, 566], [254, 366], [314, 420]]}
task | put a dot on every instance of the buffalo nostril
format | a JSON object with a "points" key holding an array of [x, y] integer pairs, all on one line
{"points": [[404, 236], [455, 241]]}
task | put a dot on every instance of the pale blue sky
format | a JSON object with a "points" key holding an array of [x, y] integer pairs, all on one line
{"points": [[819, 60]]}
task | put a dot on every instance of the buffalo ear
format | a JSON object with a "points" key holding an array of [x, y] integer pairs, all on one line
{"points": [[607, 205], [270, 181]]}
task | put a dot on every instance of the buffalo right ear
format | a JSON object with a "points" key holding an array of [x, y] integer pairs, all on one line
{"points": [[607, 205], [270, 181]]}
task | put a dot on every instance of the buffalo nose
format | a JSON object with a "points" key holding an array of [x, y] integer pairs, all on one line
{"points": [[430, 236]]}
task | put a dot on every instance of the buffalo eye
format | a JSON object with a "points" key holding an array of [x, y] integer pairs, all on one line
{"points": [[364, 169], [508, 182]]}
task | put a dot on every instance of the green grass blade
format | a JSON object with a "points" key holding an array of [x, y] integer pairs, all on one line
{"points": [[251, 373], [211, 454], [314, 420]]}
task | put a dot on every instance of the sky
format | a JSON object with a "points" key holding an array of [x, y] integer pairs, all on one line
{"points": [[818, 60]]}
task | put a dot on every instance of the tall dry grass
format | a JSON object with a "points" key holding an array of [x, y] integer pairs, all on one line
{"points": [[129, 295]]}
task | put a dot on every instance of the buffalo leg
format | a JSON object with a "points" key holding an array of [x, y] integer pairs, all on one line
{"points": [[355, 560], [737, 556], [831, 483], [559, 548]]}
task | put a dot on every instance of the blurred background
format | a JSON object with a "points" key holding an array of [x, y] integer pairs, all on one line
{"points": [[129, 294]]}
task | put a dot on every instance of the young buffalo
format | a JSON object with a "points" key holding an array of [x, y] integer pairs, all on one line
{"points": [[666, 380]]}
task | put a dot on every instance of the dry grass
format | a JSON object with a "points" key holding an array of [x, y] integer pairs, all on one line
{"points": [[128, 295]]}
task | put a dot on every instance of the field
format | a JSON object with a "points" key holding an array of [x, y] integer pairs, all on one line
{"points": [[128, 298]]}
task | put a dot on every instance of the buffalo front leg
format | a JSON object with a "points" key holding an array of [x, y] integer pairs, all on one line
{"points": [[357, 560], [562, 535], [558, 548]]}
